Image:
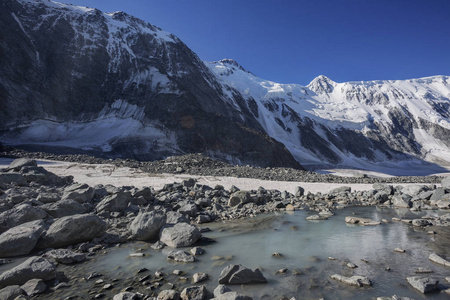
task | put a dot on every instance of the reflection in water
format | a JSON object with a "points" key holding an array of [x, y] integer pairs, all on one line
{"points": [[305, 247]]}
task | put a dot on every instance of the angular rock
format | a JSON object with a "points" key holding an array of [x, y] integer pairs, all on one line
{"points": [[11, 292], [239, 197], [402, 201], [66, 256], [361, 221], [180, 235], [232, 296], [180, 256], [20, 214], [174, 217], [354, 280], [13, 178], [421, 222], [117, 202], [78, 192], [316, 218], [445, 183], [33, 268], [71, 230], [17, 164], [168, 295], [423, 284], [21, 239], [237, 274], [199, 277], [439, 260], [34, 286], [221, 289], [146, 226], [125, 296], [63, 208], [194, 293], [299, 191]]}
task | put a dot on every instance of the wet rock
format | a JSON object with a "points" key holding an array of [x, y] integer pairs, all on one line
{"points": [[421, 270], [146, 226], [180, 256], [423, 284], [361, 221], [239, 197], [399, 250], [221, 289], [354, 280], [351, 265], [20, 214], [125, 296], [71, 230], [11, 292], [33, 268], [65, 256], [78, 192], [194, 293], [34, 287], [197, 251], [158, 245], [439, 260], [199, 277], [64, 208], [316, 218], [420, 222], [237, 274], [168, 295], [180, 235], [232, 296], [21, 239]]}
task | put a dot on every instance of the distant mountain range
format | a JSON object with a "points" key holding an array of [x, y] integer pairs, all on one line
{"points": [[81, 80]]}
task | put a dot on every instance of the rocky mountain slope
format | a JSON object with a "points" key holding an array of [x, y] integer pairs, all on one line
{"points": [[111, 84]]}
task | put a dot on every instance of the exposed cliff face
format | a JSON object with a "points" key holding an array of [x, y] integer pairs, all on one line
{"points": [[78, 77]]}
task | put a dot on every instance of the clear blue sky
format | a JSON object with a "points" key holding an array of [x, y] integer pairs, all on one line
{"points": [[294, 41]]}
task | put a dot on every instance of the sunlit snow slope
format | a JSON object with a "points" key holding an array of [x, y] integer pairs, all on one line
{"points": [[353, 123]]}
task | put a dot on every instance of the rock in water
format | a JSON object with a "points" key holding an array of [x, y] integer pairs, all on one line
{"points": [[33, 268], [168, 295], [181, 256], [361, 221], [146, 226], [194, 293], [237, 274], [439, 260], [354, 280], [21, 239], [232, 296], [180, 235], [71, 230], [423, 284]]}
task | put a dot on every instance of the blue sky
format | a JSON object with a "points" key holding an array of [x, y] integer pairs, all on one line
{"points": [[294, 41]]}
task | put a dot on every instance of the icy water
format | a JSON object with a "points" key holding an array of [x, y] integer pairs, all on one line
{"points": [[305, 247]]}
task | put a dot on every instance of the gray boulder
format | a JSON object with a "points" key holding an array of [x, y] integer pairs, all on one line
{"points": [[168, 295], [232, 296], [237, 274], [439, 260], [125, 296], [423, 284], [20, 240], [174, 217], [353, 280], [63, 208], [117, 202], [11, 292], [194, 293], [146, 226], [299, 191], [221, 289], [20, 214], [445, 183], [189, 209], [71, 230], [414, 190], [180, 235], [341, 190], [34, 286], [421, 222], [239, 197], [402, 201], [17, 164], [66, 256], [33, 268], [48, 197], [13, 178], [81, 193]]}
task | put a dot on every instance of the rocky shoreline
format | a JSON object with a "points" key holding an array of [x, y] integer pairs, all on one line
{"points": [[64, 223]]}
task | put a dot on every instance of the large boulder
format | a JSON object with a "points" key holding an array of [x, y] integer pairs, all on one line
{"points": [[232, 296], [403, 201], [237, 274], [194, 293], [414, 190], [180, 235], [174, 217], [17, 164], [63, 208], [20, 214], [11, 292], [445, 183], [423, 284], [20, 240], [71, 230], [146, 226], [239, 197], [33, 268], [34, 286], [439, 260], [16, 178], [117, 202], [81, 193], [168, 295]]}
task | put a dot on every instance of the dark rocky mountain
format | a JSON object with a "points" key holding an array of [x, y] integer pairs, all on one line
{"points": [[109, 82]]}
